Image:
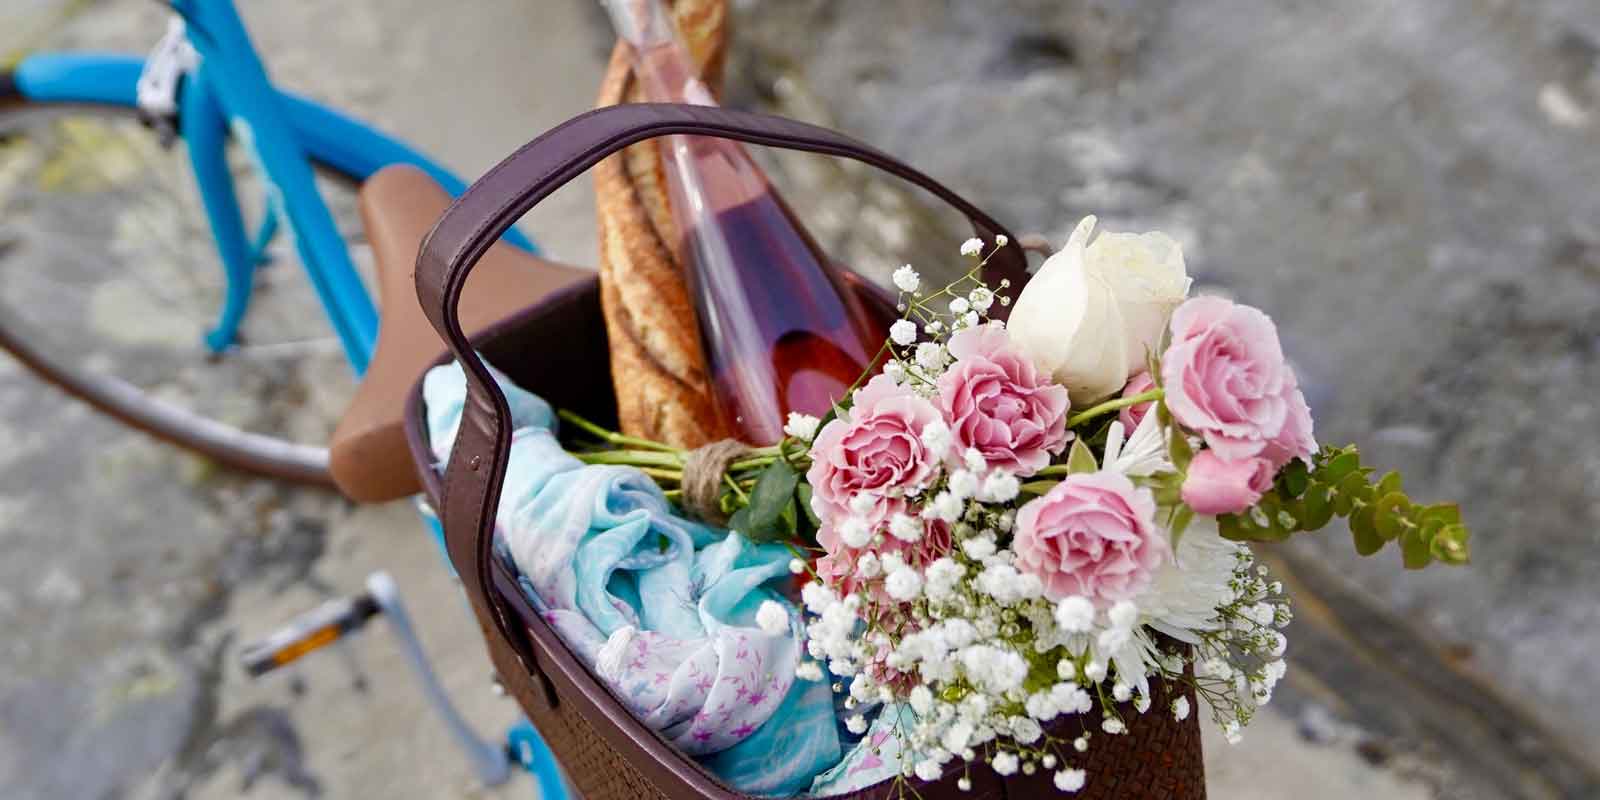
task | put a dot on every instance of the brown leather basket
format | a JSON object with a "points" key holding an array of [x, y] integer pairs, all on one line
{"points": [[558, 348]]}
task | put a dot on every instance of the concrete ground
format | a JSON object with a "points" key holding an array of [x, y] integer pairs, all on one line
{"points": [[133, 574]]}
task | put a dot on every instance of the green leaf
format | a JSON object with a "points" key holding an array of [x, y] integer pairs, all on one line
{"points": [[1080, 459], [789, 520], [773, 493], [1365, 532], [1450, 544], [1182, 515], [1038, 487], [1390, 515], [1233, 527], [1414, 550], [1390, 484], [740, 522], [803, 494], [1346, 462], [1444, 513], [1178, 449], [1318, 508], [1295, 478]]}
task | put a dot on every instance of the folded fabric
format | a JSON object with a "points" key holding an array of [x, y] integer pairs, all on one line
{"points": [[661, 607]]}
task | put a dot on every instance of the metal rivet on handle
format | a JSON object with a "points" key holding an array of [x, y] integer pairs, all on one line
{"points": [[477, 461]]}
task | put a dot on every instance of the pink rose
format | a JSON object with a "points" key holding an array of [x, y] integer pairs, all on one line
{"points": [[996, 401], [1134, 414], [874, 447], [1226, 380], [1214, 486], [1094, 535]]}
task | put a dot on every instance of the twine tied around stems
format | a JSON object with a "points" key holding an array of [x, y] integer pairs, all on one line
{"points": [[702, 478]]}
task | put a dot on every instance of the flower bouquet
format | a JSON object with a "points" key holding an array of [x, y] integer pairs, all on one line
{"points": [[1012, 533]]}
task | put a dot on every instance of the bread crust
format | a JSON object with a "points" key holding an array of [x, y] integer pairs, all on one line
{"points": [[658, 365]]}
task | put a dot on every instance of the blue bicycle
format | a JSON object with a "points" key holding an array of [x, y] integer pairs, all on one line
{"points": [[109, 280], [147, 209]]}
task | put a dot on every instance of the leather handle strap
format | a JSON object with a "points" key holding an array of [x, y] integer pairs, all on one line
{"points": [[476, 468]]}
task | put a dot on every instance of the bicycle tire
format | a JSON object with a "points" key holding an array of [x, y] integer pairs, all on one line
{"points": [[135, 406]]}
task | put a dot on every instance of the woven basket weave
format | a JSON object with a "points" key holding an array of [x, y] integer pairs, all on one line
{"points": [[561, 348]]}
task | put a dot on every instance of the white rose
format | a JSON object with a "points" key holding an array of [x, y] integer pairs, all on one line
{"points": [[1091, 313]]}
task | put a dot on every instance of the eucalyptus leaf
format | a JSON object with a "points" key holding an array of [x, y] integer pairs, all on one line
{"points": [[1389, 515], [1343, 464], [1365, 532], [1450, 545], [1414, 550], [1295, 478], [1318, 508]]}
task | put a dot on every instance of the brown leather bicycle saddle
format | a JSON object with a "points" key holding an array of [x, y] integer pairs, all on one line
{"points": [[367, 455]]}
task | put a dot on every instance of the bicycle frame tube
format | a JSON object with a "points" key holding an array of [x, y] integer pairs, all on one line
{"points": [[328, 136], [237, 79]]}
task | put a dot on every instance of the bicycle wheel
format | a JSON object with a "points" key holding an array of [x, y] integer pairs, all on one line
{"points": [[109, 280]]}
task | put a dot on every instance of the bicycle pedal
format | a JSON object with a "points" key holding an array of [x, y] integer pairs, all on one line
{"points": [[309, 632]]}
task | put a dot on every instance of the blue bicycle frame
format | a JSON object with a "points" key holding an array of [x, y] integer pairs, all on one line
{"points": [[230, 94]]}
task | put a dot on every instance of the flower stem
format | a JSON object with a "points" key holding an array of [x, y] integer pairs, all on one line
{"points": [[1114, 405], [612, 437], [632, 458]]}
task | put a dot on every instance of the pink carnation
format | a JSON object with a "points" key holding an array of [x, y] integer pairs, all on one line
{"points": [[1134, 414], [1093, 534], [1214, 486], [874, 447], [996, 401], [1226, 380]]}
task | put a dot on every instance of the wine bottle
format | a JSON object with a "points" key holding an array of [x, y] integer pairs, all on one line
{"points": [[781, 330]]}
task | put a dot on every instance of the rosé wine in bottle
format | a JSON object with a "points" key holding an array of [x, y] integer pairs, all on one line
{"points": [[781, 330]]}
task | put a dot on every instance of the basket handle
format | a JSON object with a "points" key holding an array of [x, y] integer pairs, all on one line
{"points": [[477, 465]]}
